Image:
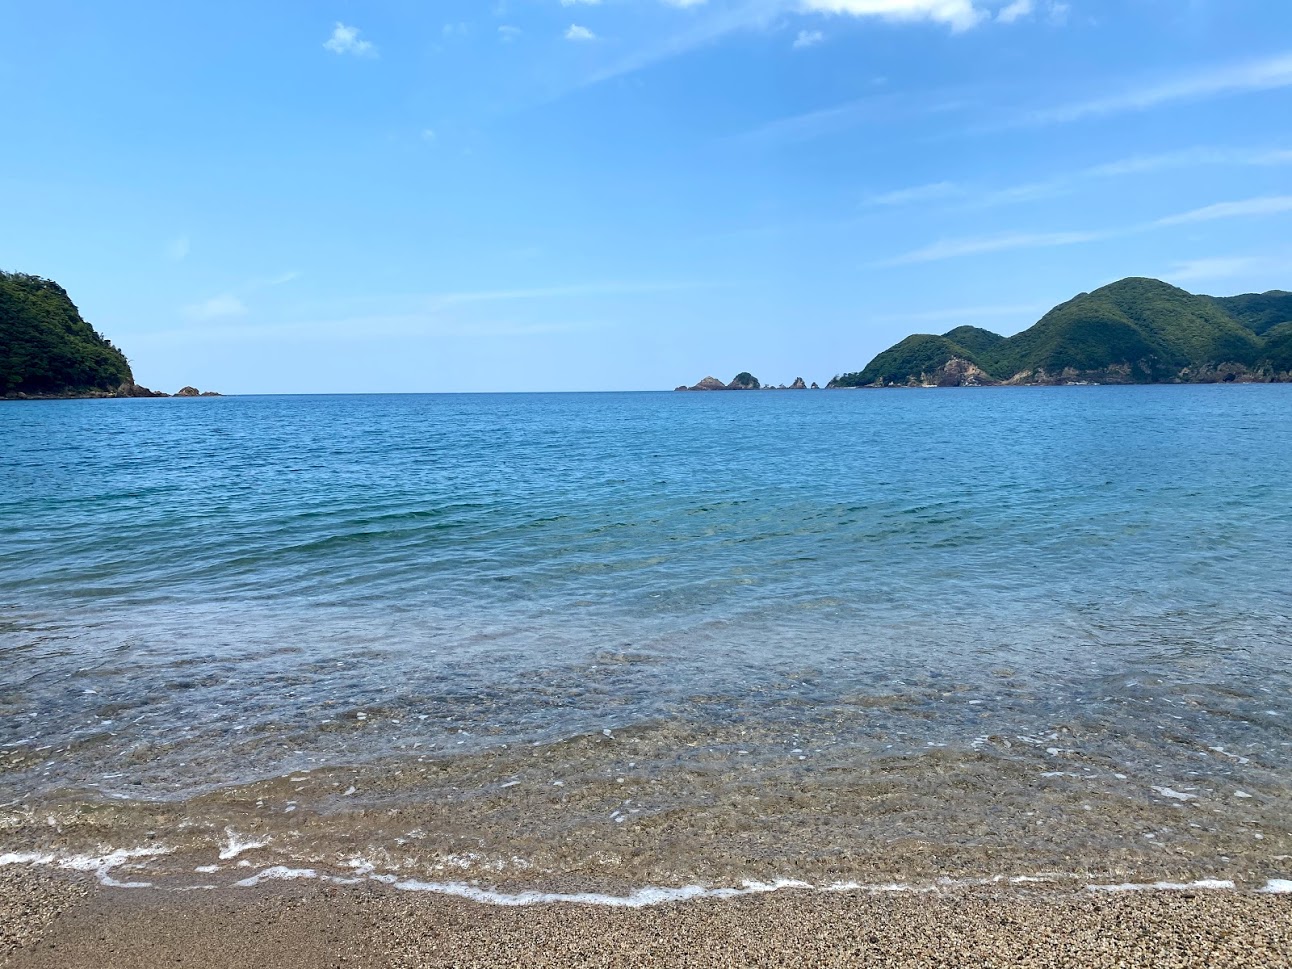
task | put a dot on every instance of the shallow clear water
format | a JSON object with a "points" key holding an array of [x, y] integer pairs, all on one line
{"points": [[202, 593]]}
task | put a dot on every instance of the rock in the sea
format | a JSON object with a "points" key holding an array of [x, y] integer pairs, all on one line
{"points": [[798, 384], [710, 383], [210, 393], [132, 389], [188, 392], [744, 381], [815, 386]]}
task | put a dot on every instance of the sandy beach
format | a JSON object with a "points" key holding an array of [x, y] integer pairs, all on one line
{"points": [[54, 921]]}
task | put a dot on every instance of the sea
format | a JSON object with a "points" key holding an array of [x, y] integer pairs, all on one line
{"points": [[633, 647]]}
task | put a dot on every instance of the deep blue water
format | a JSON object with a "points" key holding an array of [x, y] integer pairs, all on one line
{"points": [[191, 590]]}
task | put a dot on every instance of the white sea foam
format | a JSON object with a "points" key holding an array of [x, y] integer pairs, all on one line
{"points": [[363, 870], [1206, 884], [276, 873], [100, 865], [235, 845]]}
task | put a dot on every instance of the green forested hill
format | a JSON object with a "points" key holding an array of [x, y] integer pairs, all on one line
{"points": [[46, 349], [1133, 331]]}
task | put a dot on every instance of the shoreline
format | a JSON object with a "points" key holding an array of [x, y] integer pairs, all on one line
{"points": [[68, 922]]}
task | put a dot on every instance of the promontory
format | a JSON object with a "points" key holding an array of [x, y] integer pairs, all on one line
{"points": [[1133, 331]]}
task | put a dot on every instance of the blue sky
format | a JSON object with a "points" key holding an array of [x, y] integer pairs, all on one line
{"points": [[430, 195]]}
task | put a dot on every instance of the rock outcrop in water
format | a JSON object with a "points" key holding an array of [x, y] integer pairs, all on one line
{"points": [[1133, 331], [742, 381], [745, 381]]}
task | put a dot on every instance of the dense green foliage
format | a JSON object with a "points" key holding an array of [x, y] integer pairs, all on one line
{"points": [[45, 346], [917, 354], [1136, 330], [1278, 348], [975, 339], [744, 381], [1259, 312]]}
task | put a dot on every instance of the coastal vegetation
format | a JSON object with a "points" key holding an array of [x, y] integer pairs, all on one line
{"points": [[47, 349], [1133, 331]]}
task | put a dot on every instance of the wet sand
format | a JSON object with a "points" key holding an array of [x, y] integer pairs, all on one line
{"points": [[52, 922]]}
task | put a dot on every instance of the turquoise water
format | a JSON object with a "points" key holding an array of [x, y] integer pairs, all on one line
{"points": [[198, 593]]}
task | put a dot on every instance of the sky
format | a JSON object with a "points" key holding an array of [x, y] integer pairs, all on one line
{"points": [[334, 196]]}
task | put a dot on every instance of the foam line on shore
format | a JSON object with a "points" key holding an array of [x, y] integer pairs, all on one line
{"points": [[1205, 884], [102, 866]]}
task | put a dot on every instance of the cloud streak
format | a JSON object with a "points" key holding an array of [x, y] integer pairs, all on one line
{"points": [[975, 197], [1256, 75], [1267, 205], [978, 245]]}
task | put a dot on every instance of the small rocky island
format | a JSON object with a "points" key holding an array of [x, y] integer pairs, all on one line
{"points": [[48, 351], [746, 381]]}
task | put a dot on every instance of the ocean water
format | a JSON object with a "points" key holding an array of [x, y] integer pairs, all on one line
{"points": [[657, 637]]}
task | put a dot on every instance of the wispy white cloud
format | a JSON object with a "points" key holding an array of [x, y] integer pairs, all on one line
{"points": [[580, 3], [978, 245], [957, 14], [1222, 267], [345, 40], [576, 32], [507, 33], [706, 29], [1014, 11], [932, 192], [1244, 208], [1254, 75], [823, 121], [216, 307], [979, 197], [1191, 157], [807, 38]]}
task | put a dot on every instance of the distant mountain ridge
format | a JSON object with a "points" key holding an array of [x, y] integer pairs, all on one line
{"points": [[1137, 330]]}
